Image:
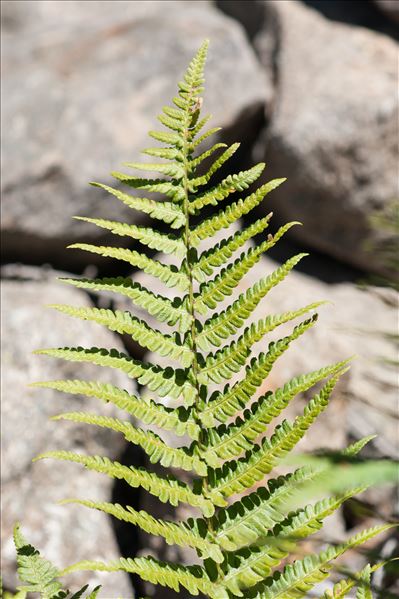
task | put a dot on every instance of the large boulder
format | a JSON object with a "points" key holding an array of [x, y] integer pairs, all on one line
{"points": [[333, 131], [30, 492], [82, 85]]}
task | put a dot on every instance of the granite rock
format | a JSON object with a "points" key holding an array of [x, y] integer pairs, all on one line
{"points": [[79, 96], [333, 130]]}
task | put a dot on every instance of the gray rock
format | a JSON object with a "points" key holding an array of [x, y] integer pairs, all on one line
{"points": [[333, 129], [80, 94], [64, 534]]}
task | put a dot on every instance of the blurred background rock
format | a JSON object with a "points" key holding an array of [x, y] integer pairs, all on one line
{"points": [[308, 87]]}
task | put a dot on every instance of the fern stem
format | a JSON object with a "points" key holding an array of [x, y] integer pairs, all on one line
{"points": [[202, 438]]}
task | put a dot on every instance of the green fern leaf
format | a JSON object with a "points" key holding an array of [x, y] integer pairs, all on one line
{"points": [[364, 589], [171, 170], [224, 218], [169, 244], [192, 578], [308, 520], [153, 445], [228, 360], [124, 322], [226, 323], [224, 284], [163, 381], [227, 442], [166, 211], [174, 533], [342, 588], [298, 578], [195, 162], [169, 275], [172, 139], [228, 403], [236, 476], [204, 136], [357, 446], [177, 420], [173, 112], [166, 153], [39, 574], [168, 489], [250, 565], [249, 518], [231, 184], [165, 310], [218, 255], [172, 190], [204, 179], [175, 124]]}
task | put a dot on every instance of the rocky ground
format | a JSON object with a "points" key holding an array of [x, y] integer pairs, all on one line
{"points": [[308, 89]]}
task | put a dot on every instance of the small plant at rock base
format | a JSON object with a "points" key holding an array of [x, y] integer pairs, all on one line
{"points": [[245, 546]]}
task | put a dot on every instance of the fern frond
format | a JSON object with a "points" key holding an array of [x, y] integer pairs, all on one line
{"points": [[228, 403], [169, 244], [174, 113], [364, 588], [225, 362], [171, 170], [193, 578], [171, 189], [354, 448], [195, 162], [221, 326], [224, 218], [169, 275], [168, 489], [173, 533], [165, 381], [250, 565], [257, 561], [251, 517], [204, 136], [171, 139], [177, 420], [227, 442], [297, 579], [342, 588], [309, 519], [166, 153], [219, 255], [168, 212], [224, 283], [165, 310], [229, 185], [243, 546], [194, 75], [171, 122], [151, 443], [218, 163], [124, 322], [39, 574], [236, 476]]}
